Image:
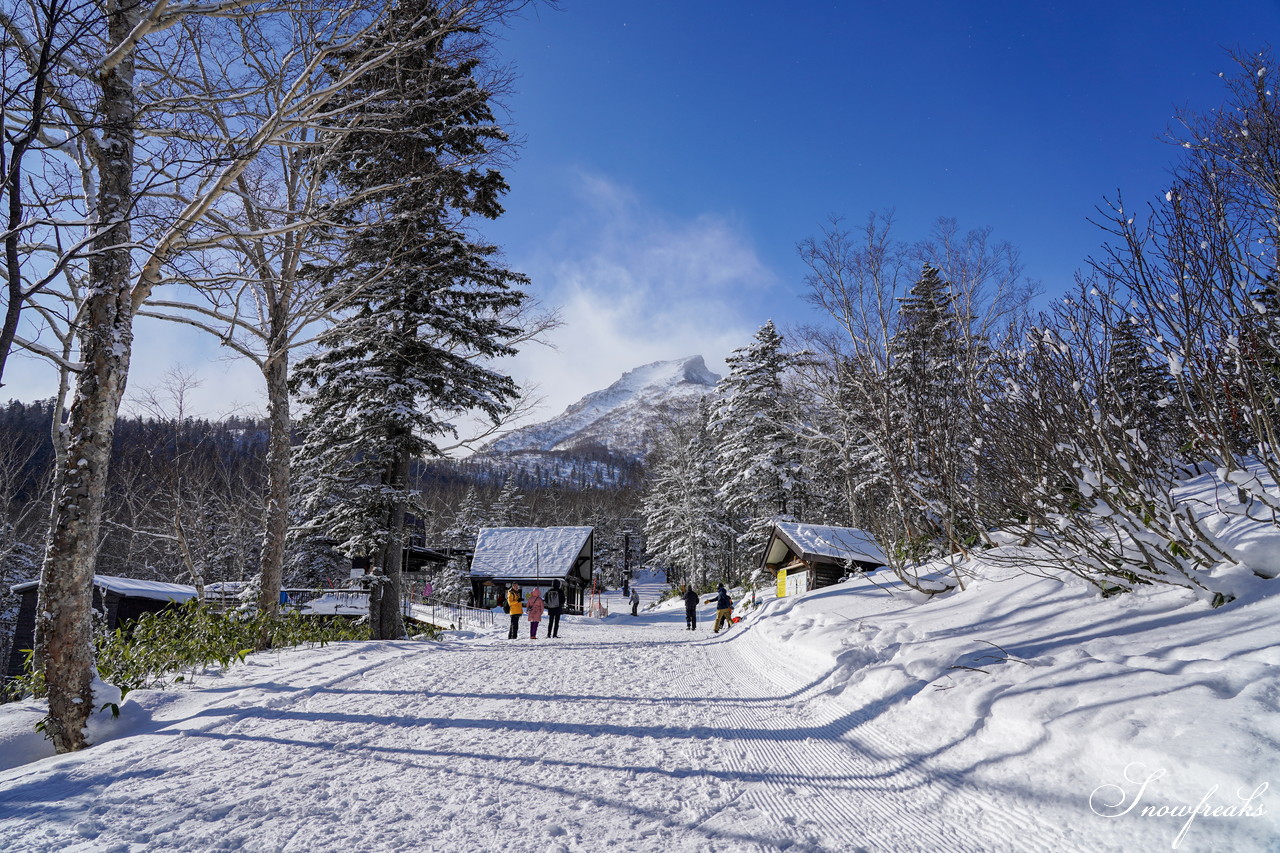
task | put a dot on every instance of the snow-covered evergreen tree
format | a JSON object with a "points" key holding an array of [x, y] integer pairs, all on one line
{"points": [[423, 304], [508, 509], [1136, 392], [685, 527], [468, 518], [931, 449], [759, 456], [452, 583]]}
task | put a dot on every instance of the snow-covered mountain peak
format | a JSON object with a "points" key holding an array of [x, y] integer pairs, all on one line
{"points": [[618, 417], [667, 374]]}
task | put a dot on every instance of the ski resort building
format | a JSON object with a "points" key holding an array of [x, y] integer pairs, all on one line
{"points": [[120, 600], [810, 556], [532, 556]]}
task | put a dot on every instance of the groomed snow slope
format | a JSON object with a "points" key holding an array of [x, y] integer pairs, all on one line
{"points": [[831, 721]]}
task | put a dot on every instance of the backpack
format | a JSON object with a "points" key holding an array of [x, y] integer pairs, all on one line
{"points": [[554, 599]]}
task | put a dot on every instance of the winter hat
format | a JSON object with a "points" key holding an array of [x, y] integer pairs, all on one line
{"points": [[535, 593]]}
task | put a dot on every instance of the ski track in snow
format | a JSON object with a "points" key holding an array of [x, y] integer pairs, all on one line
{"points": [[628, 734]]}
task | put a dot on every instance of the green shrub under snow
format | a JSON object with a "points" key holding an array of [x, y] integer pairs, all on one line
{"points": [[175, 644]]}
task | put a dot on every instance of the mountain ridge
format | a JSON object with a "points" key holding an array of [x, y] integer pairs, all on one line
{"points": [[619, 417]]}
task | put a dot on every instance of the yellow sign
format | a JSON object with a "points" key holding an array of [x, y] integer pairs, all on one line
{"points": [[782, 583]]}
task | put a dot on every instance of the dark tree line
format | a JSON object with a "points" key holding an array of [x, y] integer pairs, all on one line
{"points": [[186, 502]]}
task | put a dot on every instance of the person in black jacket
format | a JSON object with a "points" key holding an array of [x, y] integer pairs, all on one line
{"points": [[690, 608], [554, 600]]}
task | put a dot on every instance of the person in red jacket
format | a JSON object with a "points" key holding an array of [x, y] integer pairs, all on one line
{"points": [[534, 609]]}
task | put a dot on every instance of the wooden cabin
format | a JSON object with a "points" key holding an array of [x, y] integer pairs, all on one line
{"points": [[810, 556], [119, 600], [532, 556]]}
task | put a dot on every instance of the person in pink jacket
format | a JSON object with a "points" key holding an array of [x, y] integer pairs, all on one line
{"points": [[533, 607]]}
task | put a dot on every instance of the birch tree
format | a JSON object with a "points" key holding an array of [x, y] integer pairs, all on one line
{"points": [[142, 170], [256, 292]]}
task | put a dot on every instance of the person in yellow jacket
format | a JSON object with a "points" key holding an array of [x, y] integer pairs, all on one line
{"points": [[514, 607]]}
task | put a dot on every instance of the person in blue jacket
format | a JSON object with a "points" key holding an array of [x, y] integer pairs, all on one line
{"points": [[724, 609]]}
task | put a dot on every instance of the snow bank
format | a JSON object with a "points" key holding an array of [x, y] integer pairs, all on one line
{"points": [[1040, 686]]}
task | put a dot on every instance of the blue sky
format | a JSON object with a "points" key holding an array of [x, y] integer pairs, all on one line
{"points": [[667, 139], [676, 152]]}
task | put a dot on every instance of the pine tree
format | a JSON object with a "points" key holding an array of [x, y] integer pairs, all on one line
{"points": [[759, 456], [423, 305], [685, 526], [932, 378], [1136, 392], [508, 508], [467, 521]]}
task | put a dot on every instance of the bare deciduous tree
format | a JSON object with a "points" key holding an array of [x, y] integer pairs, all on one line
{"points": [[140, 97]]}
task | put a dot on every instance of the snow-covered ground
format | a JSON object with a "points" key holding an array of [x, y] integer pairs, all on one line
{"points": [[1012, 716]]}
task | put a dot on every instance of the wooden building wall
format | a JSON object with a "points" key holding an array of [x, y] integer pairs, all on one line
{"points": [[118, 610]]}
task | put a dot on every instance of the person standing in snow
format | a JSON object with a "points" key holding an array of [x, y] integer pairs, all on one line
{"points": [[690, 608], [724, 609], [515, 607], [555, 604], [635, 600], [535, 612]]}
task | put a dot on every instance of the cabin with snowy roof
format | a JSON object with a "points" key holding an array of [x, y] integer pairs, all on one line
{"points": [[532, 556], [119, 600], [810, 556]]}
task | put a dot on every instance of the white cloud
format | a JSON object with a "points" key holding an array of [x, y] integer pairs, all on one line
{"points": [[635, 286]]}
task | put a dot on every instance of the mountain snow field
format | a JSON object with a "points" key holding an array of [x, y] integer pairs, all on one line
{"points": [[621, 416], [1022, 713]]}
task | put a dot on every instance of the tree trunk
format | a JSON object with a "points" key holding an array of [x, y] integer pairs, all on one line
{"points": [[276, 521], [390, 619], [64, 636]]}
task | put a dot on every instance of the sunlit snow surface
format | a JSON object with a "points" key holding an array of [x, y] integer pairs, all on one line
{"points": [[530, 552], [1010, 716]]}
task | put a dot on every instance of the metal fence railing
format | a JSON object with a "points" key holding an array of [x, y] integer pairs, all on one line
{"points": [[343, 601], [230, 599], [445, 613]]}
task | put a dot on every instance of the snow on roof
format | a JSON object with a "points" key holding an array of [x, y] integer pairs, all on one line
{"points": [[528, 552], [840, 543], [156, 590]]}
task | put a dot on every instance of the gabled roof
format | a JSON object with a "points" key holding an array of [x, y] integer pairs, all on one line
{"points": [[816, 542], [528, 552], [156, 590]]}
